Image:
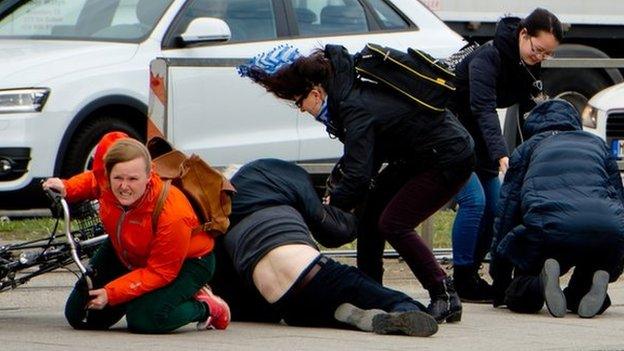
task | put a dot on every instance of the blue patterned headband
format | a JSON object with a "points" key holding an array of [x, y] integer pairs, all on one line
{"points": [[269, 62]]}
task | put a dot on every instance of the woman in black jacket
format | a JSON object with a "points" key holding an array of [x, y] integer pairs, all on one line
{"points": [[429, 157], [498, 74]]}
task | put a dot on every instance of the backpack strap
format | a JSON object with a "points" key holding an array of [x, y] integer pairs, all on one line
{"points": [[160, 203], [204, 227]]}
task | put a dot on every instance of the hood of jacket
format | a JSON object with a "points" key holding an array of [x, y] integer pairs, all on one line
{"points": [[506, 38], [507, 42], [98, 158], [341, 81], [552, 115]]}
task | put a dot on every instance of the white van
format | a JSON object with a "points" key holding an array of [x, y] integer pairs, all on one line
{"points": [[72, 70]]}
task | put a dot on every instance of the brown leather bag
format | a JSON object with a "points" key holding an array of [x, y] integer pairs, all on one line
{"points": [[206, 188]]}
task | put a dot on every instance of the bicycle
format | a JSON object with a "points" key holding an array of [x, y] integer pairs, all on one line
{"points": [[20, 262]]}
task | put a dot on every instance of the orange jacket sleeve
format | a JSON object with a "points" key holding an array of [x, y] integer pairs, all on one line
{"points": [[165, 260], [81, 187]]}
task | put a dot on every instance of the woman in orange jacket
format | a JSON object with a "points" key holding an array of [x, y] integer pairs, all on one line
{"points": [[155, 278]]}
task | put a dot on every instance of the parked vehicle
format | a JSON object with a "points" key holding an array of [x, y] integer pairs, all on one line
{"points": [[604, 116], [593, 29], [73, 70]]}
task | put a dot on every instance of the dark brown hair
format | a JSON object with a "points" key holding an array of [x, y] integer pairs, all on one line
{"points": [[542, 20], [298, 78]]}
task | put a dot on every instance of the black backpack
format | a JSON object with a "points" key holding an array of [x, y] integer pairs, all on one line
{"points": [[415, 74]]}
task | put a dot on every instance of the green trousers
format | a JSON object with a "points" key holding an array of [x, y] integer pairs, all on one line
{"points": [[159, 311]]}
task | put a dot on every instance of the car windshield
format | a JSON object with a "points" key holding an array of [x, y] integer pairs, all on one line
{"points": [[108, 20]]}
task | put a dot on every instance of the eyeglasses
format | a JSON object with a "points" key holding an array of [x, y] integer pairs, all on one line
{"points": [[299, 101], [541, 52]]}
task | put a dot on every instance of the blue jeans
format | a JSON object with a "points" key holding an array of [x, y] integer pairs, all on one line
{"points": [[474, 224]]}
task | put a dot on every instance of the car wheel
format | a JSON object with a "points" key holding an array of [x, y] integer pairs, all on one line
{"points": [[79, 154]]}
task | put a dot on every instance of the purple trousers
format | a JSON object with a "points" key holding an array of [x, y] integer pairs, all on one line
{"points": [[398, 202]]}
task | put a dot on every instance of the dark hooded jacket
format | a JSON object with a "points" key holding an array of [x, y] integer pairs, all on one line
{"points": [[492, 77], [377, 125], [267, 184], [562, 185], [271, 182]]}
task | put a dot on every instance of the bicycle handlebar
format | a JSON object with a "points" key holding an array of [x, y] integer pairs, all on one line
{"points": [[53, 194], [58, 199]]}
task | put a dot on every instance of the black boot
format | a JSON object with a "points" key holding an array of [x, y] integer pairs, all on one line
{"points": [[470, 286], [455, 306], [438, 307], [445, 304]]}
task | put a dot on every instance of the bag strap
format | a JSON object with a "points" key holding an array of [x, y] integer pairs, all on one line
{"points": [[160, 203], [204, 227]]}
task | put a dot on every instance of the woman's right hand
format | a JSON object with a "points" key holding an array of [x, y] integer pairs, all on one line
{"points": [[55, 184]]}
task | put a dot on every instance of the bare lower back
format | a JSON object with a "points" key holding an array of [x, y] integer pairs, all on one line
{"points": [[277, 271]]}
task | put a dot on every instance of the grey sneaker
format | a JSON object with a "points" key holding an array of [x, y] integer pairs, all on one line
{"points": [[555, 299], [357, 317], [592, 302], [412, 323]]}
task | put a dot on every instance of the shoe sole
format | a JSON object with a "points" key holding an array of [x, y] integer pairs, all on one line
{"points": [[555, 299], [454, 317], [357, 317], [413, 323], [592, 301], [479, 301]]}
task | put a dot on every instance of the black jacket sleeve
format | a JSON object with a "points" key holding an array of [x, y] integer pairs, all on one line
{"points": [[334, 227], [358, 159], [483, 72], [508, 213]]}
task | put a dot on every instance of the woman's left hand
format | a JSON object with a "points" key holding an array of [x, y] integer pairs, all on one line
{"points": [[99, 299], [503, 164], [326, 200]]}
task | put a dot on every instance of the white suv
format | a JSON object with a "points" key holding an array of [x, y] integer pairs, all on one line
{"points": [[72, 70]]}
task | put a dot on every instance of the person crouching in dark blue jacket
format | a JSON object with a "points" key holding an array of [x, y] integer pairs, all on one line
{"points": [[561, 206]]}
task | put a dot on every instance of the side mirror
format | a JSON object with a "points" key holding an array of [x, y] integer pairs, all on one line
{"points": [[206, 29]]}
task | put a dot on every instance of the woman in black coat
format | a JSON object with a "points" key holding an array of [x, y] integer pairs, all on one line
{"points": [[498, 74], [429, 157]]}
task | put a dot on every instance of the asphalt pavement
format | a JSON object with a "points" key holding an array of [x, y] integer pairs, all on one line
{"points": [[31, 318]]}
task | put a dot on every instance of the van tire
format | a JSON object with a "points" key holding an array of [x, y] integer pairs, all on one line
{"points": [[85, 139]]}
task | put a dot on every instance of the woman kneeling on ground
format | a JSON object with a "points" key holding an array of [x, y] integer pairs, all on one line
{"points": [[154, 278]]}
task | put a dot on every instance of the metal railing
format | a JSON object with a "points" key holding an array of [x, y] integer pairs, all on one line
{"points": [[584, 63]]}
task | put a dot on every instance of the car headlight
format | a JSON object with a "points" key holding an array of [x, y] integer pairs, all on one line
{"points": [[590, 116], [23, 100]]}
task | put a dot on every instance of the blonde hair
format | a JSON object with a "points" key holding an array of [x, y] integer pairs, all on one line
{"points": [[124, 150]]}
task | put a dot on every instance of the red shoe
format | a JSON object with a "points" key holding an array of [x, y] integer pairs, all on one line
{"points": [[219, 310]]}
